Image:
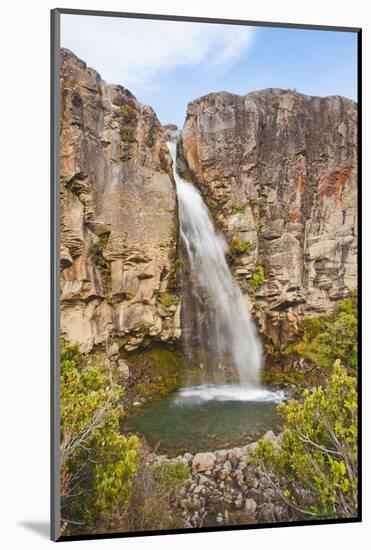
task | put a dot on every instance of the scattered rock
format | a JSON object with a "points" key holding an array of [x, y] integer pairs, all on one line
{"points": [[250, 507], [203, 462], [219, 519]]}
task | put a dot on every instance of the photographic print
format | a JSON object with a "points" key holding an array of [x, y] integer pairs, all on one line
{"points": [[205, 282]]}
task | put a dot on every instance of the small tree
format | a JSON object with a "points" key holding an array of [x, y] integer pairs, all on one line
{"points": [[97, 461], [314, 471]]}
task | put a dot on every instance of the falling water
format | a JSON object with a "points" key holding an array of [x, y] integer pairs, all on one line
{"points": [[233, 332]]}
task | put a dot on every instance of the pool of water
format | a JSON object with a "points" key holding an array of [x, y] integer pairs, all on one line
{"points": [[205, 418]]}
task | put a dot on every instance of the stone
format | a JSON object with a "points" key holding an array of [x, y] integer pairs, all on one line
{"points": [[227, 466], [221, 454], [250, 507], [219, 519], [272, 438], [112, 350], [188, 456], [203, 462], [269, 436], [238, 502], [124, 371]]}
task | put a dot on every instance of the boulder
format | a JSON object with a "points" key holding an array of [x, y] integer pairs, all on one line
{"points": [[203, 462]]}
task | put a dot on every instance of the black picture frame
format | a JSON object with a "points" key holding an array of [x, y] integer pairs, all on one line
{"points": [[55, 268]]}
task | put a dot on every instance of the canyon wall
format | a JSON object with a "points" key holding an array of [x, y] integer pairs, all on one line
{"points": [[119, 228], [278, 170]]}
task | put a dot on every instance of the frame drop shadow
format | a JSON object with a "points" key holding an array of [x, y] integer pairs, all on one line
{"points": [[41, 528]]}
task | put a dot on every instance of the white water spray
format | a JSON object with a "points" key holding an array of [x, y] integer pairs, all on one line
{"points": [[233, 332]]}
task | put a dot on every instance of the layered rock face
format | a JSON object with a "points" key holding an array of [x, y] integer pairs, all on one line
{"points": [[278, 170], [119, 228]]}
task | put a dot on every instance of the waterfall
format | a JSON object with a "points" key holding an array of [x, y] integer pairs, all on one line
{"points": [[232, 332]]}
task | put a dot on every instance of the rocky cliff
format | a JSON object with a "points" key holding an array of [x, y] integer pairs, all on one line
{"points": [[119, 229], [278, 170]]}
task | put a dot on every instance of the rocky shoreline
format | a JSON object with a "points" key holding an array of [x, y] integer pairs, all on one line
{"points": [[224, 488]]}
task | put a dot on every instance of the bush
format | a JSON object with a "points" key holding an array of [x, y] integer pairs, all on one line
{"points": [[129, 113], [97, 462], [238, 207], [242, 247], [166, 299], [171, 475], [258, 276], [335, 336], [314, 472], [152, 497]]}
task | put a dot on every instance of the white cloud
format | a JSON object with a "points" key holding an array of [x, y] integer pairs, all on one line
{"points": [[135, 52]]}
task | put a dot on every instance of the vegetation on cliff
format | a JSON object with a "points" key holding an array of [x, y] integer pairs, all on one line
{"points": [[330, 337]]}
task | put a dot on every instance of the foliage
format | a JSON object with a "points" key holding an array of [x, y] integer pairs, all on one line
{"points": [[164, 371], [171, 474], [277, 375], [239, 248], [325, 339], [152, 497], [258, 276], [129, 118], [97, 462], [166, 299], [129, 113], [314, 471], [238, 207]]}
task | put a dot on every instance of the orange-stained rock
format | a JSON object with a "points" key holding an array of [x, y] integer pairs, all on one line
{"points": [[287, 163]]}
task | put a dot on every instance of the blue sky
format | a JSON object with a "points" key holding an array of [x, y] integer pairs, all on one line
{"points": [[168, 64]]}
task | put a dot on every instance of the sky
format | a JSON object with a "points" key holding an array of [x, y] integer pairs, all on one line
{"points": [[167, 64]]}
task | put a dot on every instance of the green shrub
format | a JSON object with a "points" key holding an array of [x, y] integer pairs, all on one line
{"points": [[314, 471], [166, 299], [97, 461], [258, 276], [129, 114], [239, 248], [327, 338], [171, 475], [238, 207]]}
